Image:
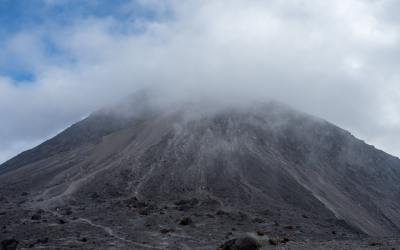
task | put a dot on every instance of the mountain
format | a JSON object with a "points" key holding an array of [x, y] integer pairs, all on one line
{"points": [[261, 165]]}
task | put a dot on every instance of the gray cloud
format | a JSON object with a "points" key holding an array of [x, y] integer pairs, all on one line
{"points": [[336, 60]]}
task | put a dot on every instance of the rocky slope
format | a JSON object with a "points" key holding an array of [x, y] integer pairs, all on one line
{"points": [[265, 165]]}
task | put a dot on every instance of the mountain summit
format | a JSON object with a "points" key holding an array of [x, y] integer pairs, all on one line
{"points": [[137, 166]]}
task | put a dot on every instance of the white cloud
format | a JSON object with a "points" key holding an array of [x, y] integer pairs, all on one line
{"points": [[329, 58]]}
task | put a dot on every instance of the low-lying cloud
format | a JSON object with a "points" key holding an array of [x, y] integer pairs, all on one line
{"points": [[336, 60]]}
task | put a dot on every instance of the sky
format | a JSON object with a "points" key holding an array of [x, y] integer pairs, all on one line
{"points": [[61, 60]]}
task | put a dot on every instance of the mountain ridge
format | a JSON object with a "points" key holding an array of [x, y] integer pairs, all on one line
{"points": [[264, 156]]}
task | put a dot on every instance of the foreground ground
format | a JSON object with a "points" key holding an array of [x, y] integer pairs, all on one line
{"points": [[128, 223]]}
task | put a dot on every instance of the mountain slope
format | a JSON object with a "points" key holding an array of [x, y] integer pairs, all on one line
{"points": [[263, 156], [135, 108]]}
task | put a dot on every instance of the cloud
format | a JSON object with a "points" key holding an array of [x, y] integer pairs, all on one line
{"points": [[335, 60]]}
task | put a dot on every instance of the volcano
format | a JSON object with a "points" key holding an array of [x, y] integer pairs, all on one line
{"points": [[133, 174]]}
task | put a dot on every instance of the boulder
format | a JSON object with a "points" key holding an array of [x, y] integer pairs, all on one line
{"points": [[251, 241], [9, 244]]}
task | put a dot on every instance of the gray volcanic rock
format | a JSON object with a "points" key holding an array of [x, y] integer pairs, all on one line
{"points": [[263, 165], [251, 241]]}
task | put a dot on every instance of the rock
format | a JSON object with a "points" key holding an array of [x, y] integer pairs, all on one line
{"points": [[181, 202], [9, 244], [193, 202], [152, 207], [251, 241], [40, 211], [36, 217], [84, 239], [3, 213], [209, 215], [274, 241], [132, 200], [40, 200], [24, 194], [186, 221], [260, 232], [63, 220], [144, 212], [68, 212], [228, 245], [220, 212], [75, 218], [44, 241], [164, 231]]}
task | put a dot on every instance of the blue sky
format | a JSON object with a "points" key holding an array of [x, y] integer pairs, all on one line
{"points": [[61, 60], [25, 15]]}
